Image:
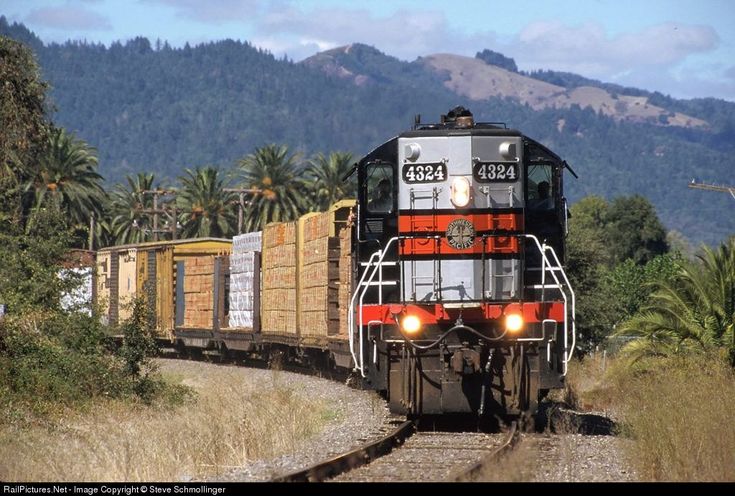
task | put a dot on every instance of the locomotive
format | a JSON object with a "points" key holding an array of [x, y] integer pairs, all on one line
{"points": [[442, 286], [462, 303]]}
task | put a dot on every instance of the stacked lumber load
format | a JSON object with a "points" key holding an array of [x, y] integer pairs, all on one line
{"points": [[243, 283], [318, 276], [345, 276], [278, 301], [199, 292]]}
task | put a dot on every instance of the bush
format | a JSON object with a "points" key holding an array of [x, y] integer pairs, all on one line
{"points": [[51, 357]]}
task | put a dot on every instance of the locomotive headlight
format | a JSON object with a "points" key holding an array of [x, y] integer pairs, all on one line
{"points": [[514, 322], [411, 324], [460, 194]]}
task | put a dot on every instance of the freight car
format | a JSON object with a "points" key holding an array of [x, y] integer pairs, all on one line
{"points": [[156, 270], [442, 285]]}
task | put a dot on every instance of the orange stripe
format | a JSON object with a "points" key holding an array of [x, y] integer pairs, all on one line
{"points": [[432, 246], [533, 312], [410, 224]]}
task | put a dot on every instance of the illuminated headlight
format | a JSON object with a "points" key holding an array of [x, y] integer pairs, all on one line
{"points": [[411, 324], [514, 322], [460, 191]]}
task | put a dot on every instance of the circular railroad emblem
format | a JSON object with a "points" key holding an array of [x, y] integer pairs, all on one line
{"points": [[460, 234]]}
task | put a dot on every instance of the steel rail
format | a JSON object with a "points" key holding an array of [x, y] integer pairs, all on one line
{"points": [[469, 474], [353, 459]]}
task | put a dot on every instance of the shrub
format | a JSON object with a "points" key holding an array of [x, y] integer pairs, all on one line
{"points": [[52, 357]]}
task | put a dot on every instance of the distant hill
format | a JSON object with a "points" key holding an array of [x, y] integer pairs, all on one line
{"points": [[477, 80], [148, 106]]}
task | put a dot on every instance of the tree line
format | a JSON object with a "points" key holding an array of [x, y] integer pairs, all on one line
{"points": [[280, 187], [644, 290], [45, 166]]}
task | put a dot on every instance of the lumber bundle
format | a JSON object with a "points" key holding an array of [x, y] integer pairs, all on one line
{"points": [[198, 292], [318, 276], [278, 302]]}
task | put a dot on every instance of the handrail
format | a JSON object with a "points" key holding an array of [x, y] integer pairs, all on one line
{"points": [[547, 266], [351, 312], [573, 314], [361, 289]]}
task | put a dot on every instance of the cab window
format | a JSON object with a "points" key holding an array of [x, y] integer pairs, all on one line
{"points": [[540, 187], [380, 192]]}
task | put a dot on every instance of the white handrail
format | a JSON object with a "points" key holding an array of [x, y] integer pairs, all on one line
{"points": [[369, 275], [351, 312], [360, 363], [552, 270], [573, 314]]}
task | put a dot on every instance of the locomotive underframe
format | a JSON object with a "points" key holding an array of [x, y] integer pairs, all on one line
{"points": [[463, 373]]}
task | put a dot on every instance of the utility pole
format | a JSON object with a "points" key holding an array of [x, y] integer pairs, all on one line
{"points": [[91, 232], [241, 192], [167, 195], [713, 187]]}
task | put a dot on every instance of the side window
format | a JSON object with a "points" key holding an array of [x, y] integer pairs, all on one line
{"points": [[540, 187], [380, 188]]}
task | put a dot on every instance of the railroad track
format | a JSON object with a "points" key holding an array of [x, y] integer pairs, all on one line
{"points": [[404, 455]]}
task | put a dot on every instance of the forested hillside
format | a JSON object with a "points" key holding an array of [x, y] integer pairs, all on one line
{"points": [[149, 107]]}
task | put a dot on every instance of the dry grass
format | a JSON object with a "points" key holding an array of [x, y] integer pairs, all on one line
{"points": [[679, 412], [229, 421], [587, 386]]}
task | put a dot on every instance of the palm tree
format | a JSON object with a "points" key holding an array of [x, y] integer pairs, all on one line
{"points": [[68, 174], [694, 311], [206, 209], [326, 173], [130, 221], [279, 177]]}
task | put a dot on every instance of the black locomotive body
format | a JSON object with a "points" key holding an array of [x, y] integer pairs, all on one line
{"points": [[461, 303]]}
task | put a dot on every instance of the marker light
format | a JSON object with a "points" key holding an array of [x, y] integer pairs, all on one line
{"points": [[460, 194], [411, 324], [514, 322]]}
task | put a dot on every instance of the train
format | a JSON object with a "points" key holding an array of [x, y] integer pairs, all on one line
{"points": [[442, 285]]}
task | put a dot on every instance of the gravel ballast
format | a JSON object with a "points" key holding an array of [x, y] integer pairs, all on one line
{"points": [[580, 458]]}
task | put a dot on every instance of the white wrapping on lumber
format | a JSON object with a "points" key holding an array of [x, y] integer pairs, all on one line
{"points": [[242, 273]]}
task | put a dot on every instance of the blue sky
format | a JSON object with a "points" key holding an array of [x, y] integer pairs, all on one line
{"points": [[683, 48]]}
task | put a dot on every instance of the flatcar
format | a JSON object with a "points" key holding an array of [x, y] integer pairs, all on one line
{"points": [[442, 285]]}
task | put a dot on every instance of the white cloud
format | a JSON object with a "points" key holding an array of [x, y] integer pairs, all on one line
{"points": [[405, 34], [212, 11], [587, 49], [656, 58], [68, 17]]}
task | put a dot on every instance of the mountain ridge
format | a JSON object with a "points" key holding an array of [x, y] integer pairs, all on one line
{"points": [[479, 80], [150, 107]]}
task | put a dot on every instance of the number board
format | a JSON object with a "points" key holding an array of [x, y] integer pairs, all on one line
{"points": [[492, 172], [424, 173]]}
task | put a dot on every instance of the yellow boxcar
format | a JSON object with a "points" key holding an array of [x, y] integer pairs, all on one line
{"points": [[150, 269]]}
